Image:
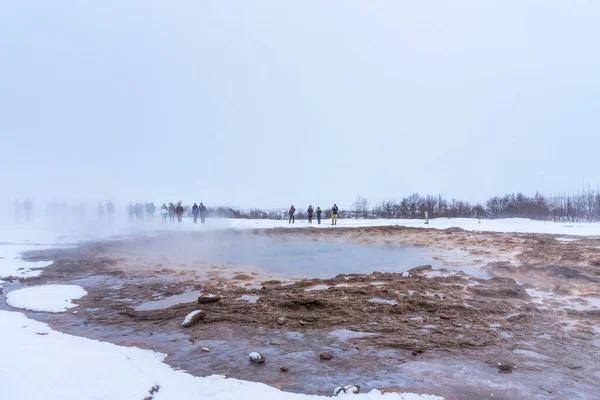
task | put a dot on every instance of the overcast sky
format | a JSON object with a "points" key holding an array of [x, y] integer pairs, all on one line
{"points": [[268, 103]]}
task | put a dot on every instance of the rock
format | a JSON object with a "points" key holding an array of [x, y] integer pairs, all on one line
{"points": [[75, 312], [303, 323], [278, 387], [325, 356], [416, 270], [242, 277], [418, 350], [349, 389], [205, 349], [284, 369], [208, 298], [281, 321], [257, 357], [193, 318], [271, 283], [505, 367]]}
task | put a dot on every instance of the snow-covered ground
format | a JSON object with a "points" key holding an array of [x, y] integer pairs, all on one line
{"points": [[41, 363], [49, 298]]}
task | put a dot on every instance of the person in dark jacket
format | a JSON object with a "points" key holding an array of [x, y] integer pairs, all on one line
{"points": [[179, 212], [202, 212], [309, 213], [171, 213], [334, 214], [291, 213], [195, 211], [319, 215]]}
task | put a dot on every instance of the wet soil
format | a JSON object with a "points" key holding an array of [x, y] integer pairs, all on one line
{"points": [[439, 331]]}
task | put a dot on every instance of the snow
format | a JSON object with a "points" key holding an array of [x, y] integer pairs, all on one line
{"points": [[189, 317], [73, 368], [12, 265], [317, 287], [49, 298]]}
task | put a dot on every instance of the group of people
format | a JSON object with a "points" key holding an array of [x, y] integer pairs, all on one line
{"points": [[176, 212], [107, 210], [136, 211], [310, 212]]}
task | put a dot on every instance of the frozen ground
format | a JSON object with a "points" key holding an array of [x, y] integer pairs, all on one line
{"points": [[68, 367], [48, 298]]}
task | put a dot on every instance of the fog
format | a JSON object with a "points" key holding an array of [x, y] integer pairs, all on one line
{"points": [[267, 103]]}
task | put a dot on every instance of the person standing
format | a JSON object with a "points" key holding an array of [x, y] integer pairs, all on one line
{"points": [[150, 209], [171, 213], [309, 213], [179, 212], [164, 211], [319, 215], [334, 214], [202, 213], [291, 213], [195, 212]]}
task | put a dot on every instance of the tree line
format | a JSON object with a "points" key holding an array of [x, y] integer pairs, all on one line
{"points": [[578, 207]]}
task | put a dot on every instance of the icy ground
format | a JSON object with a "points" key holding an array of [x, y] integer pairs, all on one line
{"points": [[44, 364]]}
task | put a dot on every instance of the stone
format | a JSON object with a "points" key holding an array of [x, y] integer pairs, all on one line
{"points": [[349, 389], [208, 298], [281, 321], [257, 357], [505, 367], [325, 356], [284, 369], [205, 349], [193, 318]]}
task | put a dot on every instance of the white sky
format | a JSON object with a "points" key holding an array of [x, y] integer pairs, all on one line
{"points": [[268, 103]]}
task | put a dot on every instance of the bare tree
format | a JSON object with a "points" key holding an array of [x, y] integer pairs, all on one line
{"points": [[360, 207]]}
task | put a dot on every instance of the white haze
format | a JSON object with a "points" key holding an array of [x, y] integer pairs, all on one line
{"points": [[268, 103]]}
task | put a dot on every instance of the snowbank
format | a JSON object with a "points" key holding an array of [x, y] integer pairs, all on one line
{"points": [[49, 298], [45, 364]]}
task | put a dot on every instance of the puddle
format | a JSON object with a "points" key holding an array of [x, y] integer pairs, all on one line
{"points": [[378, 300], [345, 334], [167, 302], [249, 298]]}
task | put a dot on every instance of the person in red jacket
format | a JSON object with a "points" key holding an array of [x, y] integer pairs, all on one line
{"points": [[291, 213], [179, 212]]}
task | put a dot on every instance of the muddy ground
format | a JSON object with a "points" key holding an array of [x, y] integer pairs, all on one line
{"points": [[432, 330]]}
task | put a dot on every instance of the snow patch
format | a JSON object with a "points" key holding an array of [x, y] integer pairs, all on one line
{"points": [[49, 298]]}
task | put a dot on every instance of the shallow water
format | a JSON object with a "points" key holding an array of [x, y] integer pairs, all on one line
{"points": [[186, 297]]}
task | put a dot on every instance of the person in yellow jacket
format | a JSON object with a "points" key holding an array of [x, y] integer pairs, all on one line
{"points": [[334, 214]]}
